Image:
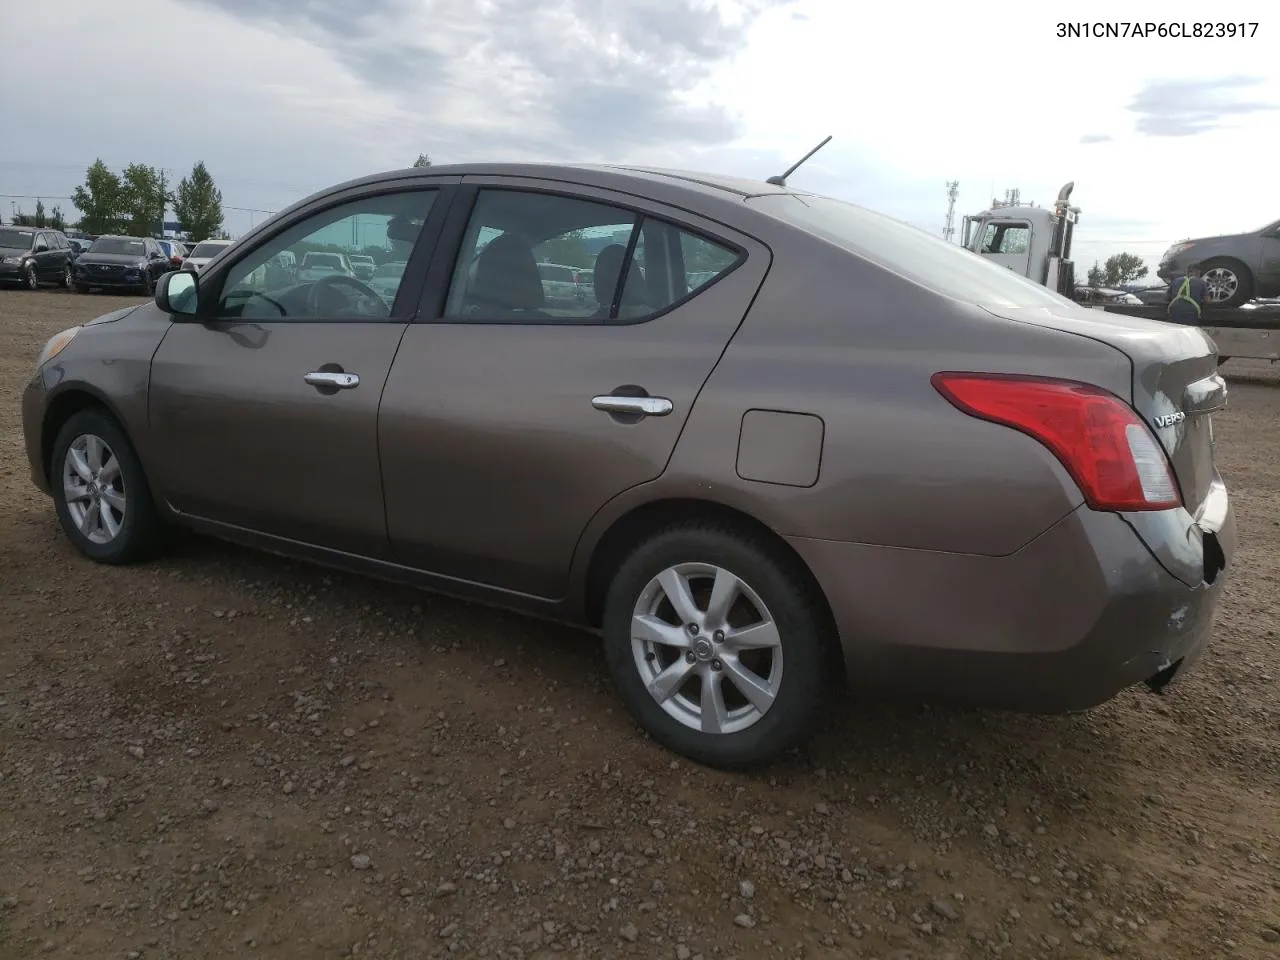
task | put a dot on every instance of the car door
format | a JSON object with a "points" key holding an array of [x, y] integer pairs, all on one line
{"points": [[265, 409], [157, 262], [507, 422], [48, 267]]}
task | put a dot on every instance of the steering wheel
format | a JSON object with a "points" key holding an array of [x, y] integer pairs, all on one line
{"points": [[341, 279]]}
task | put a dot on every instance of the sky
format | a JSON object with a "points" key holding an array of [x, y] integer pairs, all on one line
{"points": [[1165, 138]]}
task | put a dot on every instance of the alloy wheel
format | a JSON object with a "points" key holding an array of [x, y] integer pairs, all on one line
{"points": [[93, 489]]}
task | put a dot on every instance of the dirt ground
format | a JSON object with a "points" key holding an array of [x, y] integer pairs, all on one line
{"points": [[224, 754]]}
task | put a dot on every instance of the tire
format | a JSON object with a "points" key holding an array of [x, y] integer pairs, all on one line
{"points": [[1229, 279], [137, 530], [696, 552], [68, 278], [32, 279]]}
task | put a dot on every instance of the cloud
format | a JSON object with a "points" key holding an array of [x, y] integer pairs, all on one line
{"points": [[1096, 138], [1184, 108], [567, 78]]}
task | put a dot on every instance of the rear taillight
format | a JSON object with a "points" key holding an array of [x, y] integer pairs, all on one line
{"points": [[1107, 449]]}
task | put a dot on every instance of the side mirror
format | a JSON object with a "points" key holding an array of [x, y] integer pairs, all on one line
{"points": [[42, 247], [178, 293]]}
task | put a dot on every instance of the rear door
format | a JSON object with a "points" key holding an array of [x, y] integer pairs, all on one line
{"points": [[508, 420]]}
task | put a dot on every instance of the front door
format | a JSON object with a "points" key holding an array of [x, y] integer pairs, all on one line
{"points": [[510, 420], [264, 410], [1008, 243]]}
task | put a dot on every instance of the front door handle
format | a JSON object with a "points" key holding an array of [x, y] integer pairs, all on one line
{"points": [[336, 381], [633, 406]]}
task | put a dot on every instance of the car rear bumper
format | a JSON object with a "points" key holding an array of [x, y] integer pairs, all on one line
{"points": [[1067, 622]]}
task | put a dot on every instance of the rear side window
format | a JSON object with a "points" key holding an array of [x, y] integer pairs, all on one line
{"points": [[532, 257], [920, 257]]}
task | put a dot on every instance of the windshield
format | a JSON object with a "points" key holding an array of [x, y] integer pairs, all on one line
{"points": [[16, 239], [207, 251], [120, 246], [389, 270], [356, 258], [920, 257]]}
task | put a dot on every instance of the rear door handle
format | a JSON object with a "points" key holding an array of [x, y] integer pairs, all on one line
{"points": [[633, 406], [327, 378]]}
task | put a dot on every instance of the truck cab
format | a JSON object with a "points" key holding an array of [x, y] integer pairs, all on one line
{"points": [[1032, 241]]}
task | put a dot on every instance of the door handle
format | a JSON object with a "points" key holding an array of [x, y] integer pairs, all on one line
{"points": [[633, 406], [327, 378]]}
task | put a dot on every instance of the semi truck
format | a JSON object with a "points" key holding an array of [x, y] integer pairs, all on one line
{"points": [[1036, 241]]}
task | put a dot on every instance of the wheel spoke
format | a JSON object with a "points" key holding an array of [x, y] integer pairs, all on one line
{"points": [[664, 686], [93, 452], [74, 493], [79, 464], [676, 587], [724, 592], [758, 636], [657, 632], [751, 686], [107, 520], [715, 715], [114, 499], [110, 470], [89, 522]]}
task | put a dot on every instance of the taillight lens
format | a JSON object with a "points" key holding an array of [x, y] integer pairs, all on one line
{"points": [[1109, 452]]}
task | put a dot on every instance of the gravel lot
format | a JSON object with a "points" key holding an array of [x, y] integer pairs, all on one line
{"points": [[227, 754]]}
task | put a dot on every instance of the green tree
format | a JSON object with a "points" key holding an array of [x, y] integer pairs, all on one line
{"points": [[21, 219], [198, 204], [1096, 277], [56, 219], [145, 196], [1123, 268], [100, 200], [41, 219], [422, 161]]}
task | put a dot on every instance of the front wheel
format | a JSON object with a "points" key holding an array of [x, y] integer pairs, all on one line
{"points": [[68, 277], [32, 279], [100, 492], [716, 645], [1227, 283]]}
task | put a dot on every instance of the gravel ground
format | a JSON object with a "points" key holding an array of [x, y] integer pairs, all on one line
{"points": [[227, 754]]}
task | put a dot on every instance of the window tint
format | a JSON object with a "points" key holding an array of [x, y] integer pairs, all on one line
{"points": [[16, 239], [264, 285], [207, 251], [120, 246], [538, 257], [930, 261], [545, 258]]}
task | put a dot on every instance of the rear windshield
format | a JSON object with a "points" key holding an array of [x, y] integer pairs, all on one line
{"points": [[207, 251], [322, 260], [394, 269], [119, 245], [17, 239], [930, 261]]}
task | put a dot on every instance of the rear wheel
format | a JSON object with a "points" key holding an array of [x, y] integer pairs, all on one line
{"points": [[32, 279], [1228, 282], [716, 645], [100, 492], [68, 280]]}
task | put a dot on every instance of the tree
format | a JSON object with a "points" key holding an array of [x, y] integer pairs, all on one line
{"points": [[1123, 268], [41, 219], [21, 219], [100, 200], [198, 204], [56, 219], [422, 161], [1096, 277], [145, 195]]}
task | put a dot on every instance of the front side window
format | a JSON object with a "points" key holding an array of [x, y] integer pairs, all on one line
{"points": [[544, 258], [1006, 238], [265, 285]]}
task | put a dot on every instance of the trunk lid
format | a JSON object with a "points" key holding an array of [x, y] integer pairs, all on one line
{"points": [[1175, 383]]}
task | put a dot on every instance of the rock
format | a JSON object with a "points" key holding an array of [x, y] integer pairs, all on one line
{"points": [[135, 751], [944, 909], [745, 921], [362, 861], [747, 889], [629, 933]]}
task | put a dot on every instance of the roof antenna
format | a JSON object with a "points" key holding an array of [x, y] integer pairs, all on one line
{"points": [[782, 180]]}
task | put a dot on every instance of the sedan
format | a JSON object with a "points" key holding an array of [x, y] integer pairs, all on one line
{"points": [[783, 442]]}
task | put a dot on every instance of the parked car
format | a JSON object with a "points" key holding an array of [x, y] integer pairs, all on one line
{"points": [[32, 256], [1105, 295], [362, 265], [1236, 268], [317, 265], [131, 263], [175, 251], [562, 284], [386, 280], [203, 252], [856, 451]]}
